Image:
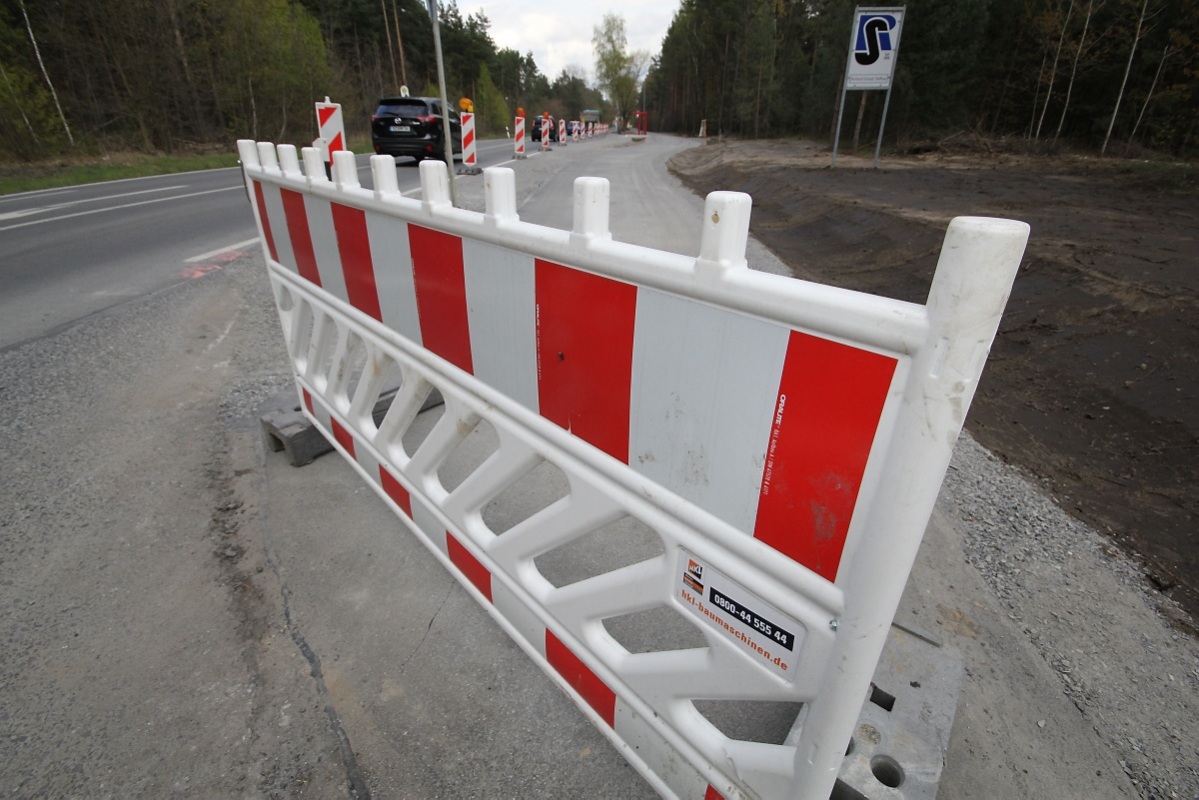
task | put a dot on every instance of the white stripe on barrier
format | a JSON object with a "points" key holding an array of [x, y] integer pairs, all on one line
{"points": [[501, 310], [773, 447]]}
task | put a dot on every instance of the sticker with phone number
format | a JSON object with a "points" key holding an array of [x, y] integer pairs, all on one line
{"points": [[763, 633]]}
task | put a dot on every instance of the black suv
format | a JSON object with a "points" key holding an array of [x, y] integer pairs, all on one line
{"points": [[535, 134], [411, 126]]}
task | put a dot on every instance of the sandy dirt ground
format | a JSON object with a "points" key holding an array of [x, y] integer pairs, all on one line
{"points": [[1091, 385]]}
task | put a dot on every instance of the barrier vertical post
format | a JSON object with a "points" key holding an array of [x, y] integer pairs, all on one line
{"points": [[545, 134], [965, 304], [562, 132], [519, 126]]}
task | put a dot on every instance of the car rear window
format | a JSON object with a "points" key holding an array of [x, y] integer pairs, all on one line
{"points": [[401, 107]]}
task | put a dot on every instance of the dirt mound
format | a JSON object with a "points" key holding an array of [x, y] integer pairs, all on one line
{"points": [[1092, 383]]}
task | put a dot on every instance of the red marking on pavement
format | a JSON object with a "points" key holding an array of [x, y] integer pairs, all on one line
{"points": [[199, 271]]}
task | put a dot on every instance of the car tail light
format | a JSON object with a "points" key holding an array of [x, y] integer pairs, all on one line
{"points": [[428, 119]]}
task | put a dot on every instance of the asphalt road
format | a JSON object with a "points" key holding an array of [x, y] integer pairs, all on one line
{"points": [[71, 252]]}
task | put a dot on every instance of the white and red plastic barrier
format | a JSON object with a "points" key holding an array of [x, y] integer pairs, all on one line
{"points": [[782, 442], [331, 129], [562, 132], [545, 133], [470, 158], [519, 136]]}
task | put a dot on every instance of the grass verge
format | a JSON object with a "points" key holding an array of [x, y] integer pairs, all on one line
{"points": [[116, 166]]}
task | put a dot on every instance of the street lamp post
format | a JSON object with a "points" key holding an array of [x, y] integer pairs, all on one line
{"points": [[446, 129]]}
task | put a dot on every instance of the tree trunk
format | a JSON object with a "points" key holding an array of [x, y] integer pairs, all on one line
{"points": [[395, 20], [1127, 69], [197, 118], [1152, 88], [857, 126], [1036, 99], [395, 76], [1053, 71], [41, 65], [1082, 40], [17, 102]]}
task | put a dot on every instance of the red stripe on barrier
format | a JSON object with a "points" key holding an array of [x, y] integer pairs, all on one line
{"points": [[343, 437], [468, 565], [324, 113], [266, 222], [585, 354], [830, 399], [308, 401], [578, 675], [395, 490], [441, 294], [301, 238], [712, 794], [354, 246]]}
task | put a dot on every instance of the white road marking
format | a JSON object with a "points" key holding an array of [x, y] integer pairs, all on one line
{"points": [[238, 188], [219, 250], [45, 209], [21, 195]]}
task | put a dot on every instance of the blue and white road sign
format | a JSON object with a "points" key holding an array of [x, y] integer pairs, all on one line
{"points": [[873, 48]]}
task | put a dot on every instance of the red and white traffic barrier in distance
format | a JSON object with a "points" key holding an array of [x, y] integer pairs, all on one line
{"points": [[470, 161], [780, 444], [331, 129], [545, 134], [562, 132], [575, 132], [519, 125]]}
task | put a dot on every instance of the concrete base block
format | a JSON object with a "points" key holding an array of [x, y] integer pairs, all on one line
{"points": [[286, 427]]}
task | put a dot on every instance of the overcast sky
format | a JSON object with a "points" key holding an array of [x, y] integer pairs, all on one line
{"points": [[559, 32]]}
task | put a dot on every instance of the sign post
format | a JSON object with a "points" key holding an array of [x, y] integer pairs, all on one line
{"points": [[870, 65]]}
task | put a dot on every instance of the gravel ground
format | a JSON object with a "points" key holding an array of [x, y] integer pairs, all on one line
{"points": [[1092, 615]]}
